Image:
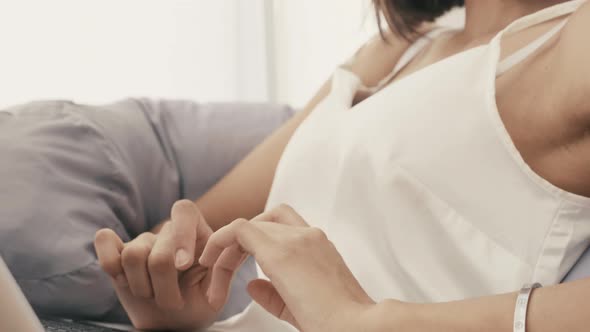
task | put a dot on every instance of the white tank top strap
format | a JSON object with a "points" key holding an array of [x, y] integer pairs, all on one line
{"points": [[526, 22], [525, 52], [412, 51], [415, 49]]}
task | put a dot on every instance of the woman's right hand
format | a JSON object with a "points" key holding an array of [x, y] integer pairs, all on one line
{"points": [[156, 276]]}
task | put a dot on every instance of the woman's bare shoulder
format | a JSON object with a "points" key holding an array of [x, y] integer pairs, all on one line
{"points": [[377, 57], [380, 54]]}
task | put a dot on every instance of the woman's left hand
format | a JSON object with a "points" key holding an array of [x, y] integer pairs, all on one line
{"points": [[310, 285]]}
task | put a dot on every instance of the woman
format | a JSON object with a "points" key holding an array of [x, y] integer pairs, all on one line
{"points": [[446, 168]]}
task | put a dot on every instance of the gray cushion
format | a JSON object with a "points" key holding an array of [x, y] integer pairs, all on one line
{"points": [[68, 170], [581, 269]]}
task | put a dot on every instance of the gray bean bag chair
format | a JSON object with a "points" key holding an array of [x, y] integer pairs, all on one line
{"points": [[68, 170]]}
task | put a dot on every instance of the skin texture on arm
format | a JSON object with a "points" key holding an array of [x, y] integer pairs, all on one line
{"points": [[243, 192], [557, 308]]}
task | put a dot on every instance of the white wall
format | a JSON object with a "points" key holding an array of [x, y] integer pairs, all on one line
{"points": [[96, 51]]}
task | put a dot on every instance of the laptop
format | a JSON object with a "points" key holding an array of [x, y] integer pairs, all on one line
{"points": [[16, 315]]}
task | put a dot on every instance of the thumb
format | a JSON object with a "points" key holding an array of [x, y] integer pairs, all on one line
{"points": [[108, 246], [184, 226], [265, 294]]}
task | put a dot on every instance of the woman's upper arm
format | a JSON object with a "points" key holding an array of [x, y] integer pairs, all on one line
{"points": [[243, 192], [576, 49], [377, 58]]}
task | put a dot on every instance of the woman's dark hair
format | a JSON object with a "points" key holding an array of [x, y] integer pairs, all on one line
{"points": [[404, 17]]}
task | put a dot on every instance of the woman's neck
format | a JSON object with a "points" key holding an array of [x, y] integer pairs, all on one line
{"points": [[489, 16]]}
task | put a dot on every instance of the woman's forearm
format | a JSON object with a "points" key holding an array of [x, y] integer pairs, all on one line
{"points": [[242, 193], [558, 308]]}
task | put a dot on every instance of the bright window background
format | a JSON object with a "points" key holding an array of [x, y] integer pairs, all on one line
{"points": [[95, 51], [313, 37]]}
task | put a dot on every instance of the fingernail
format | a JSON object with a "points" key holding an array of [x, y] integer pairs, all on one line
{"points": [[122, 280], [182, 258], [209, 300]]}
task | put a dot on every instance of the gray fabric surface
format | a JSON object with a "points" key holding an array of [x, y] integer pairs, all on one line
{"points": [[581, 269], [67, 170]]}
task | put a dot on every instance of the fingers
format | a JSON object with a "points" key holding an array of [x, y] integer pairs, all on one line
{"points": [[243, 231], [108, 248], [226, 249], [134, 259], [240, 232], [282, 214], [225, 252], [185, 218], [223, 272], [163, 273], [264, 293]]}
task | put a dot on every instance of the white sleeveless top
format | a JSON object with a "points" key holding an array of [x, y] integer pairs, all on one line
{"points": [[421, 188]]}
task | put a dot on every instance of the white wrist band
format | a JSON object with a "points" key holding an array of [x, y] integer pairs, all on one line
{"points": [[522, 304]]}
